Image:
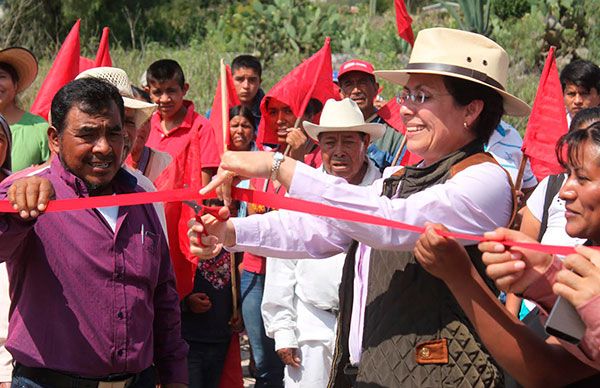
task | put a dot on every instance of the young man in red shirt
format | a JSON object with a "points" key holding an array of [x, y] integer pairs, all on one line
{"points": [[175, 121]]}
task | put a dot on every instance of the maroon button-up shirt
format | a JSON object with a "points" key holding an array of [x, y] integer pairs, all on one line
{"points": [[87, 300]]}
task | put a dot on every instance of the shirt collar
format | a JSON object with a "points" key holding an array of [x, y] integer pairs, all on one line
{"points": [[187, 122]]}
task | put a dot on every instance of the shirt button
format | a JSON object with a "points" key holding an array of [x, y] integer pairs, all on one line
{"points": [[162, 135], [425, 352], [120, 315], [120, 352]]}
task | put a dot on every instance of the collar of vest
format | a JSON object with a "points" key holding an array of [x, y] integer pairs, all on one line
{"points": [[416, 178]]}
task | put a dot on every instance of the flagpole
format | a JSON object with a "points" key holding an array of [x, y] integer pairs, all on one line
{"points": [[519, 180], [225, 126], [399, 152]]}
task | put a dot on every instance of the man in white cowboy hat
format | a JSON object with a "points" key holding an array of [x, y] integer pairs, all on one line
{"points": [[300, 300], [357, 82]]}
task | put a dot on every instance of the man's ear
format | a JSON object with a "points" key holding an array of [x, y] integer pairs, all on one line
{"points": [[367, 140], [186, 87], [53, 139]]}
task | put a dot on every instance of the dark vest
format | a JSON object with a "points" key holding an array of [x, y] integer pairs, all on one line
{"points": [[415, 333]]}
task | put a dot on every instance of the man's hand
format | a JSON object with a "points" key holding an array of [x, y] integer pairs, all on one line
{"points": [[297, 140], [512, 269], [199, 303], [580, 281], [289, 357], [442, 257], [237, 322], [29, 196]]}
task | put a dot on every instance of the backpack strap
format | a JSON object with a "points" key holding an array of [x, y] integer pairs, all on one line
{"points": [[555, 182], [485, 157]]}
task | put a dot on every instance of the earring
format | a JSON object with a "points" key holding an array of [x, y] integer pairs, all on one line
{"points": [[466, 125]]}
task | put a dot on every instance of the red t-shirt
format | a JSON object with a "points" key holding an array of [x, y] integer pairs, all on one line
{"points": [[176, 139]]}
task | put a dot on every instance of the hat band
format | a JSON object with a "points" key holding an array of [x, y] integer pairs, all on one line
{"points": [[471, 73]]}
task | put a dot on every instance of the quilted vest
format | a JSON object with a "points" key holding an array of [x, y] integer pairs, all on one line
{"points": [[415, 333]]}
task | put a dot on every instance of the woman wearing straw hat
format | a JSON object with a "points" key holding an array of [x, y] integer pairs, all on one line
{"points": [[18, 69], [398, 325]]}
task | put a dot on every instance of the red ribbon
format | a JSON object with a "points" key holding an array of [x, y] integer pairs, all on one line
{"points": [[269, 200]]}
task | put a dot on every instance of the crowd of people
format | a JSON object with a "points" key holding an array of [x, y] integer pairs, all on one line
{"points": [[105, 296]]}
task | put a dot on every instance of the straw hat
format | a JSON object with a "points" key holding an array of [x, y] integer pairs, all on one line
{"points": [[118, 78], [460, 54], [342, 116], [24, 63]]}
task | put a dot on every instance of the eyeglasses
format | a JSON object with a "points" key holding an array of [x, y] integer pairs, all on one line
{"points": [[418, 97]]}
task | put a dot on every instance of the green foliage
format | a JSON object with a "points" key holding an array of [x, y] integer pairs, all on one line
{"points": [[507, 9], [475, 15]]}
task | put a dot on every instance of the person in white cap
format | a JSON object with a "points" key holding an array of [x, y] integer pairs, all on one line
{"points": [[398, 325], [300, 300]]}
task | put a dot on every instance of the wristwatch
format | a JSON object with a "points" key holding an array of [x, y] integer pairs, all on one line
{"points": [[278, 158]]}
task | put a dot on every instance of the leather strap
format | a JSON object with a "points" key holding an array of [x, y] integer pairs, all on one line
{"points": [[471, 73]]}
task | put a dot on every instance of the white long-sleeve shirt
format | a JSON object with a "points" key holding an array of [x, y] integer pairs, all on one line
{"points": [[314, 282], [476, 200]]}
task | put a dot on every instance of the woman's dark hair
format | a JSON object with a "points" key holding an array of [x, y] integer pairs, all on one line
{"points": [[465, 91], [240, 110], [572, 141], [586, 116], [10, 70]]}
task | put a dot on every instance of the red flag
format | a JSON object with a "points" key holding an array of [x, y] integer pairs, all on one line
{"points": [[64, 69], [103, 54], [85, 64], [184, 171], [311, 79], [404, 22], [547, 122], [390, 113], [215, 114]]}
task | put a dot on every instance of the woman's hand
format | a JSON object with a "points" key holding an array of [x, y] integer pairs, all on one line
{"points": [[512, 269], [442, 257], [236, 166], [218, 234], [579, 282]]}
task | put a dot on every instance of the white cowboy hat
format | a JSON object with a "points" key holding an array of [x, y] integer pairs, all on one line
{"points": [[118, 78], [344, 115], [460, 54], [24, 63]]}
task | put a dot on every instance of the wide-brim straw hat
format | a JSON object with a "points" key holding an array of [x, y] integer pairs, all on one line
{"points": [[342, 116], [460, 54], [118, 78], [24, 63]]}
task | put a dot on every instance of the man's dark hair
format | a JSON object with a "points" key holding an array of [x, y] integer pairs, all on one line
{"points": [[10, 70], [581, 73], [165, 70], [248, 61], [464, 91], [313, 107], [92, 96]]}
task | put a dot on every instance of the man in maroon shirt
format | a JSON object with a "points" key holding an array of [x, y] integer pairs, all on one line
{"points": [[93, 292]]}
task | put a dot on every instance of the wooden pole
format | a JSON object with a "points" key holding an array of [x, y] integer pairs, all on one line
{"points": [[519, 180], [225, 127], [399, 152]]}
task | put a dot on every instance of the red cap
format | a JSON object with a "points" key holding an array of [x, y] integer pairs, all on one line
{"points": [[356, 65]]}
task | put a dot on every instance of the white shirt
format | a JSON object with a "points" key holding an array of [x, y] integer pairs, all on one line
{"points": [[314, 282], [476, 200], [505, 146]]}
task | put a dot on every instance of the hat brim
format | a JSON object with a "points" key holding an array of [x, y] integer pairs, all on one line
{"points": [[374, 130], [513, 106], [24, 63], [143, 110]]}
